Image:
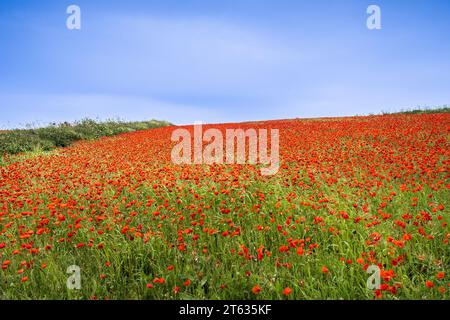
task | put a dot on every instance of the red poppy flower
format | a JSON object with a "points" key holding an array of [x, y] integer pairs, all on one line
{"points": [[159, 280], [287, 291], [256, 289]]}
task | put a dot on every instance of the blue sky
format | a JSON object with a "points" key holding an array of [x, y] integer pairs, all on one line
{"points": [[219, 61]]}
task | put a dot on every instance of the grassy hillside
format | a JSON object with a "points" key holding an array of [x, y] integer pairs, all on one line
{"points": [[423, 110], [63, 135], [351, 194]]}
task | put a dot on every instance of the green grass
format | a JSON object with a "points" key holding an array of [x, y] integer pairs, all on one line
{"points": [[63, 135], [422, 110], [135, 263]]}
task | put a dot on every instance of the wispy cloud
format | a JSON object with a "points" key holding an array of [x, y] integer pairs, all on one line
{"points": [[136, 66], [277, 60], [168, 56]]}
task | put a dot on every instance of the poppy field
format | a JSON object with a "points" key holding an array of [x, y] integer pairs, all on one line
{"points": [[350, 193]]}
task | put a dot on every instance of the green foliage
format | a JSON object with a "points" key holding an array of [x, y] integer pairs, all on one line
{"points": [[422, 110], [64, 134]]}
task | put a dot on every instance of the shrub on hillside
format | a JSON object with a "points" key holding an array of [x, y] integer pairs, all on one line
{"points": [[59, 136], [63, 135]]}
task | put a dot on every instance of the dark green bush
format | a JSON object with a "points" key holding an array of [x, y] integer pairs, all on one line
{"points": [[59, 136], [63, 135], [21, 141]]}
